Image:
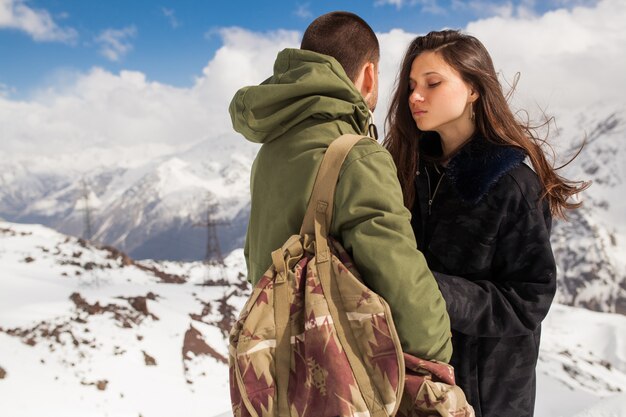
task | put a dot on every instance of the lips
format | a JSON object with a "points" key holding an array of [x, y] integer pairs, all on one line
{"points": [[419, 112]]}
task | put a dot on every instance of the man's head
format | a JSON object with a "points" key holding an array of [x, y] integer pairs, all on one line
{"points": [[352, 42]]}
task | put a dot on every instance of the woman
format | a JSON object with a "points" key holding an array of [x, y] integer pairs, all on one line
{"points": [[481, 216]]}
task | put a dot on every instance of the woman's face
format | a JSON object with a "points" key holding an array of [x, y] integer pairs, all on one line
{"points": [[438, 97]]}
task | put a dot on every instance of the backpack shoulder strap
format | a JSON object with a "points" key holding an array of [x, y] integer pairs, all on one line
{"points": [[326, 180]]}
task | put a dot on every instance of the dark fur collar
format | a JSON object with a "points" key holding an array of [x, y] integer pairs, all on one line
{"points": [[476, 167]]}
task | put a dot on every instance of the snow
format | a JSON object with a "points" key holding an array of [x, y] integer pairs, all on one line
{"points": [[612, 407], [582, 360], [59, 376], [581, 370]]}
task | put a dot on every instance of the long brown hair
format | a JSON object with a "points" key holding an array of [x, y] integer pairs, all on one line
{"points": [[494, 119]]}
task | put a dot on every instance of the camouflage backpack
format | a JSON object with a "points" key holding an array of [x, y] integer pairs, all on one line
{"points": [[312, 339]]}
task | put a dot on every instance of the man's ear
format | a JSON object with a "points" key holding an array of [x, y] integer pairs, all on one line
{"points": [[369, 79], [366, 79]]}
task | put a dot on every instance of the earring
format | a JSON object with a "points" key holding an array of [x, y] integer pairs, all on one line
{"points": [[472, 116]]}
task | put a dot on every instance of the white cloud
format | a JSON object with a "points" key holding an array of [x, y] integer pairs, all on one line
{"points": [[392, 48], [572, 3], [428, 6], [115, 43], [102, 110], [490, 8], [125, 112], [5, 90], [171, 17], [245, 58], [15, 14], [484, 7], [397, 3], [569, 61], [304, 11]]}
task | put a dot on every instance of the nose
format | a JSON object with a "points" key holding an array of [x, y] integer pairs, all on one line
{"points": [[415, 96]]}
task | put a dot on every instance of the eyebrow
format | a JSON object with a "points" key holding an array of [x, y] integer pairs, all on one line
{"points": [[430, 73], [426, 74]]}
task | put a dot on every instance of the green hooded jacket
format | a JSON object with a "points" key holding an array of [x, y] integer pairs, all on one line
{"points": [[296, 114]]}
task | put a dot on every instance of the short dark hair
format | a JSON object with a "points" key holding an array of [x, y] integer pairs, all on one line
{"points": [[344, 36]]}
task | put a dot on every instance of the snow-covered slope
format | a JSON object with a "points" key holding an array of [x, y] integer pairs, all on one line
{"points": [[611, 407], [590, 248], [582, 360], [86, 331]]}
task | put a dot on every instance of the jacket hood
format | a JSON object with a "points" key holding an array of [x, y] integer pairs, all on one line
{"points": [[305, 85]]}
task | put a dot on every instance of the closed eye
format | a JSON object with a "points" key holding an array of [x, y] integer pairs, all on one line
{"points": [[433, 85]]}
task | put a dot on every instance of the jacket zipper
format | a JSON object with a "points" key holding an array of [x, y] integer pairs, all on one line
{"points": [[431, 197]]}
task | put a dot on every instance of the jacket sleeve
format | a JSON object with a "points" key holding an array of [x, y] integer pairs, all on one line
{"points": [[374, 226], [519, 294]]}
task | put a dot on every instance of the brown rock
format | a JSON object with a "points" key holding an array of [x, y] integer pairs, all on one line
{"points": [[101, 385], [194, 343], [149, 360]]}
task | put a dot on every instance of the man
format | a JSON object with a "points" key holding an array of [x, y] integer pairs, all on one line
{"points": [[317, 93]]}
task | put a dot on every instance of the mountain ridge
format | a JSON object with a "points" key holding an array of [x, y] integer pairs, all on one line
{"points": [[154, 207]]}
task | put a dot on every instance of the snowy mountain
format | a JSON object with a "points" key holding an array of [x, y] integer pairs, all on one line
{"points": [[590, 248], [152, 202], [150, 208], [89, 331]]}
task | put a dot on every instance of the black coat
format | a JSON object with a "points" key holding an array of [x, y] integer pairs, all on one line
{"points": [[487, 238]]}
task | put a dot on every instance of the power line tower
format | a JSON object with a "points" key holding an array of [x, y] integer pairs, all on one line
{"points": [[87, 234], [87, 223], [213, 256]]}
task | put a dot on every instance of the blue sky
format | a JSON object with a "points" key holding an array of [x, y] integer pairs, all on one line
{"points": [[43, 42], [140, 78]]}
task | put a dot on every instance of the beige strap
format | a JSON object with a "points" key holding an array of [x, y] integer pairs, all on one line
{"points": [[283, 341], [343, 328], [284, 260], [281, 258], [317, 220], [326, 180]]}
